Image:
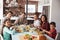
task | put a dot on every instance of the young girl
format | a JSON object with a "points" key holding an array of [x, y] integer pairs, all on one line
{"points": [[52, 33], [7, 32]]}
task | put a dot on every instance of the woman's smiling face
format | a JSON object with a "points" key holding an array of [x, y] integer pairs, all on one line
{"points": [[42, 18]]}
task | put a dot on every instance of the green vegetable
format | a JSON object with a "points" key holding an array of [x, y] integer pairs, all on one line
{"points": [[30, 38]]}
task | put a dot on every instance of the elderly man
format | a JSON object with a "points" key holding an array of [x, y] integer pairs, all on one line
{"points": [[21, 19]]}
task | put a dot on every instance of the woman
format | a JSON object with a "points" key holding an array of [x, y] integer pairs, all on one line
{"points": [[44, 23], [9, 15]]}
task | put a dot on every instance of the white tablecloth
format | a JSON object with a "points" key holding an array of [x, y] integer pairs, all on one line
{"points": [[16, 36]]}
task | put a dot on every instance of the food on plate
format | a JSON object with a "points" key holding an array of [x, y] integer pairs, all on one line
{"points": [[42, 37], [34, 37], [30, 39], [18, 29], [27, 28], [27, 36]]}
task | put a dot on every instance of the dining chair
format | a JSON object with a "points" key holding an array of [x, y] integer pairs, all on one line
{"points": [[1, 38], [57, 36]]}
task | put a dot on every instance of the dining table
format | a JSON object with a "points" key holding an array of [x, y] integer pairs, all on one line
{"points": [[21, 35], [18, 36]]}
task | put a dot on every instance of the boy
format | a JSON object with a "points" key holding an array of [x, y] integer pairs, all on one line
{"points": [[36, 21], [52, 33]]}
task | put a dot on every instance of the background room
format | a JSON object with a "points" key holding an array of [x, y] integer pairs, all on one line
{"points": [[51, 8]]}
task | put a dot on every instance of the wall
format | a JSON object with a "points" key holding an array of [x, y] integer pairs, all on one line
{"points": [[1, 13], [55, 13]]}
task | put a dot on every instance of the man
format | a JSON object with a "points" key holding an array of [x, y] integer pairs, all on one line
{"points": [[21, 19], [9, 15]]}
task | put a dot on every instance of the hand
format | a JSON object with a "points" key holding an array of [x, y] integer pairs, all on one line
{"points": [[44, 30], [13, 27], [40, 28], [32, 25]]}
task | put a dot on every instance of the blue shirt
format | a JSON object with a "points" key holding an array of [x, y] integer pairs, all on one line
{"points": [[7, 33]]}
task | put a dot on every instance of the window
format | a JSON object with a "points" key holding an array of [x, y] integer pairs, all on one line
{"points": [[31, 9], [40, 8]]}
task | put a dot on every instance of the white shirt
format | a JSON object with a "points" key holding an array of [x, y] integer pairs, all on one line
{"points": [[36, 23]]}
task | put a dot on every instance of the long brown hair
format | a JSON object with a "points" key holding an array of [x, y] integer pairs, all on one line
{"points": [[45, 19], [4, 25]]}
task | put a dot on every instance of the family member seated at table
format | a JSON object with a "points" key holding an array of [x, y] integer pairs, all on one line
{"points": [[52, 33], [36, 21], [9, 15], [8, 30], [44, 23], [21, 20]]}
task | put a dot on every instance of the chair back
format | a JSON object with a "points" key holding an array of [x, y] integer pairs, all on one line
{"points": [[57, 36], [1, 38]]}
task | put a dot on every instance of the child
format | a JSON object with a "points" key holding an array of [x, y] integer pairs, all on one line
{"points": [[36, 21], [7, 32], [52, 33]]}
